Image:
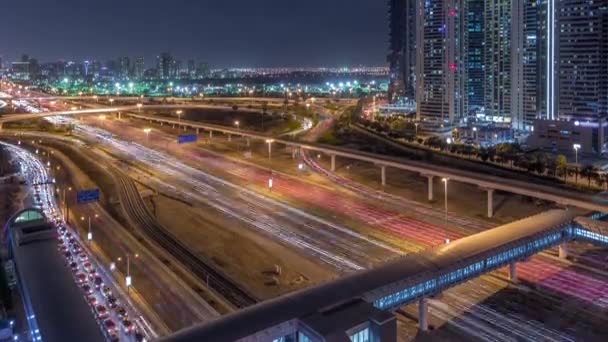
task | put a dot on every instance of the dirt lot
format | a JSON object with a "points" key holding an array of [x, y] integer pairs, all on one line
{"points": [[243, 254]]}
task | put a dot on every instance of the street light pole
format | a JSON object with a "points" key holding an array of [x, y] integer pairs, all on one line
{"points": [[576, 148], [445, 200], [147, 131], [269, 142]]}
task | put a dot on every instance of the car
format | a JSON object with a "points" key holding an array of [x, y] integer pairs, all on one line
{"points": [[92, 300], [87, 289], [63, 249], [106, 291], [112, 302], [88, 267], [110, 326], [81, 278], [121, 312], [128, 326], [114, 337], [83, 257], [74, 266], [98, 282], [76, 248], [139, 337], [93, 275], [67, 255], [102, 312]]}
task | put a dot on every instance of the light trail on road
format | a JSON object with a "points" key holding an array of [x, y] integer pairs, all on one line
{"points": [[326, 241], [35, 171]]}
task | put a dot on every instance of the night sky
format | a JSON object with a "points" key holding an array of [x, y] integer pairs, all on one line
{"points": [[221, 32]]}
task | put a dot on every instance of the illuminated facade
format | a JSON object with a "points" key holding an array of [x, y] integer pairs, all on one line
{"points": [[440, 70]]}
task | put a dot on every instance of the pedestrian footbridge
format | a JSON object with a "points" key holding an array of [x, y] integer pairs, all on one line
{"points": [[359, 307]]}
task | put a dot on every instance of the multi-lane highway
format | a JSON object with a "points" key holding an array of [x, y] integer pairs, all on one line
{"points": [[136, 209], [36, 173], [195, 184]]}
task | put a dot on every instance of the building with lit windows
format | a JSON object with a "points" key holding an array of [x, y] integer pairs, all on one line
{"points": [[440, 71], [582, 80], [498, 30], [474, 56]]}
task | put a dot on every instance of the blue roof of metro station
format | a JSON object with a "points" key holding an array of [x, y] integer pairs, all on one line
{"points": [[373, 284]]}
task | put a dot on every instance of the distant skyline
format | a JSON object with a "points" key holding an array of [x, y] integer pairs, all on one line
{"points": [[224, 33]]}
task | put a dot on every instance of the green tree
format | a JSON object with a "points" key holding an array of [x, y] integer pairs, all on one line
{"points": [[560, 165]]}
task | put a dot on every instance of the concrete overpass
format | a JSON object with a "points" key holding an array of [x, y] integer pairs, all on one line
{"points": [[485, 182], [363, 302]]}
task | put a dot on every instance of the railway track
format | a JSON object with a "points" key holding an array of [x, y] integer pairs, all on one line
{"points": [[135, 208]]}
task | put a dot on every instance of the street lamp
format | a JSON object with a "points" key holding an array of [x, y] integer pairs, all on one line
{"points": [[270, 183], [237, 124], [445, 193], [90, 232], [102, 118], [128, 278], [139, 105], [269, 142], [147, 131], [179, 115], [111, 101], [576, 148], [416, 125]]}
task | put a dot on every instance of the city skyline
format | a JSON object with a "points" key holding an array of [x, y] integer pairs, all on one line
{"points": [[274, 34]]}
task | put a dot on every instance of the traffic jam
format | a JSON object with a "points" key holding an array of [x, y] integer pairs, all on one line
{"points": [[113, 316]]}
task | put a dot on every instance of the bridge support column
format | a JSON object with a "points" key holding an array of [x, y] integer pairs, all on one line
{"points": [[0, 126], [198, 130], [210, 134], [383, 174], [119, 116], [248, 142], [563, 250], [513, 272], [294, 151], [229, 137], [490, 202], [173, 126], [185, 128], [333, 164], [423, 309], [161, 124], [430, 187]]}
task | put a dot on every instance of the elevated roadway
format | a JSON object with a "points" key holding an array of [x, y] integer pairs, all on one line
{"points": [[485, 182]]}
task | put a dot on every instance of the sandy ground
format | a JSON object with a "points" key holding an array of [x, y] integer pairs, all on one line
{"points": [[244, 255]]}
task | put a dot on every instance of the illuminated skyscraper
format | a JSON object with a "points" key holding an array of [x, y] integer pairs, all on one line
{"points": [[474, 55], [582, 81], [498, 59], [402, 50], [440, 70]]}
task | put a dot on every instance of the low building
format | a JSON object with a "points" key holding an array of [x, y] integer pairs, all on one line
{"points": [[563, 135], [484, 135]]}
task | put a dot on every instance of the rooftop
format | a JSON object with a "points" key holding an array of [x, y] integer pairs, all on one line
{"points": [[60, 307]]}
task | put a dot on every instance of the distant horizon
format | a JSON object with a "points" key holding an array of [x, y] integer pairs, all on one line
{"points": [[7, 62]]}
